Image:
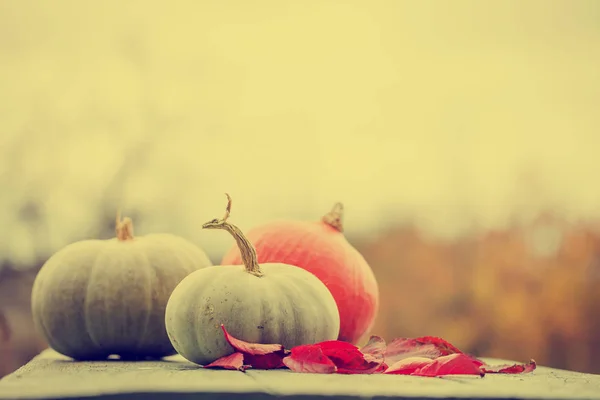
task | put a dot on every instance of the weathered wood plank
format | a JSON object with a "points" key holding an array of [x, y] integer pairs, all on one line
{"points": [[52, 376]]}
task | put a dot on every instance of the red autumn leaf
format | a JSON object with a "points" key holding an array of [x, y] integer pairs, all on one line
{"points": [[510, 369], [432, 356], [265, 361], [256, 355], [345, 357], [349, 359], [424, 356], [453, 364], [232, 361], [309, 358], [408, 365], [498, 369], [426, 346]]}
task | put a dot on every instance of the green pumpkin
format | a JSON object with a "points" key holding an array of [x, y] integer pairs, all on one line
{"points": [[270, 303], [97, 298]]}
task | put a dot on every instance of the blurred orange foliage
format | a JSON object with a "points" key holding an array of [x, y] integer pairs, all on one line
{"points": [[500, 294]]}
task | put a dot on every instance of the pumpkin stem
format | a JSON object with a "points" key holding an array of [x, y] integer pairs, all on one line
{"points": [[124, 228], [247, 251], [334, 217]]}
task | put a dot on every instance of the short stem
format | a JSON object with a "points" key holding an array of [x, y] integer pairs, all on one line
{"points": [[124, 228], [334, 218]]}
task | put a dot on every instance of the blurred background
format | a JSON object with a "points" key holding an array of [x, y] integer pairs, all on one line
{"points": [[462, 138]]}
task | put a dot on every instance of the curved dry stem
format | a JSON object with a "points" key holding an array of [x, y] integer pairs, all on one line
{"points": [[247, 251]]}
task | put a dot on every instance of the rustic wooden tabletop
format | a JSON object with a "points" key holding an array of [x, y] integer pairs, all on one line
{"points": [[52, 376]]}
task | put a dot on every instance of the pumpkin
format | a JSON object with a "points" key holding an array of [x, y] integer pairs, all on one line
{"points": [[321, 248], [98, 298], [267, 303]]}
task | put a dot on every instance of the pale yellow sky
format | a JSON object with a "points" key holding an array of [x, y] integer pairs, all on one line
{"points": [[428, 109]]}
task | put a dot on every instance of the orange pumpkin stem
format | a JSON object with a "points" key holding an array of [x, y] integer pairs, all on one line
{"points": [[334, 218], [124, 228], [247, 251]]}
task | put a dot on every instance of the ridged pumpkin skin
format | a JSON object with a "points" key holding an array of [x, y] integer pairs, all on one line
{"points": [[97, 298], [323, 250], [287, 306]]}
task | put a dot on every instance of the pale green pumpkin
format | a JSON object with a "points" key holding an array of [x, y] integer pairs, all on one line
{"points": [[97, 298], [270, 303]]}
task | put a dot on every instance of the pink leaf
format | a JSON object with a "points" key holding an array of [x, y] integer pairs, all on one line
{"points": [[453, 364], [408, 365], [250, 348], [232, 361], [309, 358], [426, 346], [374, 349]]}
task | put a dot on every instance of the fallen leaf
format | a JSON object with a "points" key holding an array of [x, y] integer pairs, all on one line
{"points": [[250, 348], [432, 356], [349, 359], [407, 366], [309, 358], [423, 356], [427, 346], [374, 351], [265, 361], [375, 348], [452, 364], [510, 369], [233, 361], [256, 355], [345, 357]]}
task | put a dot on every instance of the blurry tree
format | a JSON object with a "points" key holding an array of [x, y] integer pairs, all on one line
{"points": [[4, 328], [529, 291]]}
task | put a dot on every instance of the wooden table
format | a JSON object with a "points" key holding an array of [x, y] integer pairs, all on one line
{"points": [[52, 376]]}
